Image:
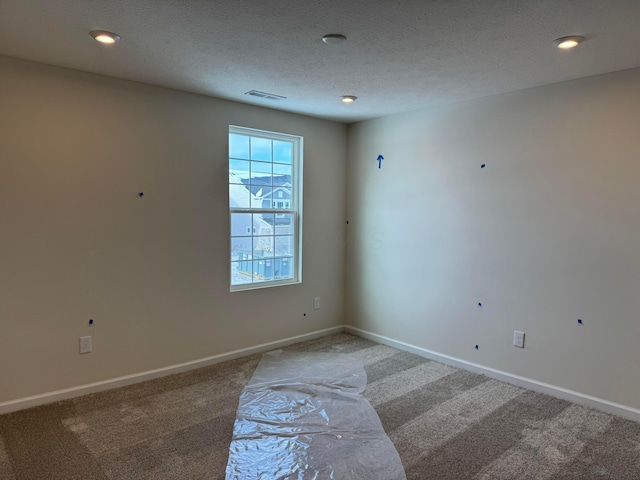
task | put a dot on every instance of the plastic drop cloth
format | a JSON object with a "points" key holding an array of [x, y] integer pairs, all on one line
{"points": [[302, 416]]}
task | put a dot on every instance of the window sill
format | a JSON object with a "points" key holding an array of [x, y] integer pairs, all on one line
{"points": [[255, 286]]}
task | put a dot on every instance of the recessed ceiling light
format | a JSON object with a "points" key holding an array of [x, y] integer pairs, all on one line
{"points": [[333, 38], [105, 37], [348, 98], [568, 42]]}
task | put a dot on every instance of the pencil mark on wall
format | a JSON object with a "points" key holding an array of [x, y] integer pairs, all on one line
{"points": [[379, 159]]}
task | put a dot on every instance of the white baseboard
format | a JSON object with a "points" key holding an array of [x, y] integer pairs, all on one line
{"points": [[73, 392], [572, 396], [558, 392]]}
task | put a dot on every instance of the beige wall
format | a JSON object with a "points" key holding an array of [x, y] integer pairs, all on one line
{"points": [[77, 242], [547, 233]]}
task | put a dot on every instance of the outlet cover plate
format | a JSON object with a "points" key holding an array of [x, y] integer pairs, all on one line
{"points": [[518, 339], [85, 345]]}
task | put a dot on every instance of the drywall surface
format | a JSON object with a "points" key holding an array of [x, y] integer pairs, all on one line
{"points": [[542, 236], [79, 243]]}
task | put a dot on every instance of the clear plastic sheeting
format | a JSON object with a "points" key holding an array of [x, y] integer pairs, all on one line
{"points": [[302, 416]]}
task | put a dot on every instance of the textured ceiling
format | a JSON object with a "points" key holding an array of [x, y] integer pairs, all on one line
{"points": [[399, 56]]}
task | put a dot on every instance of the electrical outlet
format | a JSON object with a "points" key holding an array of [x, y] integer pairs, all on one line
{"points": [[518, 339], [85, 345], [316, 303]]}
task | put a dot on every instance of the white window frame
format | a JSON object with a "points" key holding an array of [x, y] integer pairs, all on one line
{"points": [[295, 208]]}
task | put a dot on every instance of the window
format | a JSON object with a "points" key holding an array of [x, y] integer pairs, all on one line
{"points": [[265, 233]]}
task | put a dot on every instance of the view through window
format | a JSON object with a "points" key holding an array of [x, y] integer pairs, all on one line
{"points": [[264, 204]]}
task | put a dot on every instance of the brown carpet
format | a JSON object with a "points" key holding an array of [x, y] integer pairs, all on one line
{"points": [[445, 423]]}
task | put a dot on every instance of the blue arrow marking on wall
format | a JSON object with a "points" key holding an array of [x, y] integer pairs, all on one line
{"points": [[380, 158]]}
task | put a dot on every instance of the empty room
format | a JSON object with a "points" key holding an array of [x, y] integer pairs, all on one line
{"points": [[296, 239]]}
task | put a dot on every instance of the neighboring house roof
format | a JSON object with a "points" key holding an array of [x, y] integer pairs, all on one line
{"points": [[285, 188], [258, 183], [237, 192]]}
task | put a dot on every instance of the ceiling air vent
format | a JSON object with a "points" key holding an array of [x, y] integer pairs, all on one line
{"points": [[265, 95]]}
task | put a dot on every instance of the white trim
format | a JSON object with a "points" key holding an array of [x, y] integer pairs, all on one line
{"points": [[73, 392], [558, 392]]}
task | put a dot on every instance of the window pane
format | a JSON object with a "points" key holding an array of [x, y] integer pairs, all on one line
{"points": [[238, 196], [241, 248], [260, 149], [239, 169], [263, 270], [284, 246], [262, 247], [262, 198], [263, 222], [282, 194], [282, 151], [238, 146], [261, 173], [282, 170], [241, 272], [240, 224], [284, 224], [282, 268]]}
